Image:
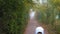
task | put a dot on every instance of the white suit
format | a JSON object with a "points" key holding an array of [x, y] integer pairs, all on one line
{"points": [[39, 29]]}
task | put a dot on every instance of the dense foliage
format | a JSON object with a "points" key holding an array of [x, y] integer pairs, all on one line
{"points": [[49, 14], [14, 16]]}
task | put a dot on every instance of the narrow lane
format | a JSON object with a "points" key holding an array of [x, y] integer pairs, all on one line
{"points": [[32, 24]]}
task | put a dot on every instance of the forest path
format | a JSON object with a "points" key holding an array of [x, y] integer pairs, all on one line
{"points": [[32, 24]]}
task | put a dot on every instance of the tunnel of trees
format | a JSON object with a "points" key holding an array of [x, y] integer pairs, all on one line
{"points": [[14, 15]]}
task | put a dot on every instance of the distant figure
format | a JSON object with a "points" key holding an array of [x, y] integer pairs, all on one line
{"points": [[39, 30]]}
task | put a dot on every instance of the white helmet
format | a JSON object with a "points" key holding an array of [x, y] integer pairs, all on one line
{"points": [[39, 30]]}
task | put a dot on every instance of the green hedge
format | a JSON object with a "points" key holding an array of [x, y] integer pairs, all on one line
{"points": [[14, 16]]}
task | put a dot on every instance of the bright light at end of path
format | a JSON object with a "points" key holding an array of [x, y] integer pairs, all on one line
{"points": [[32, 14]]}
